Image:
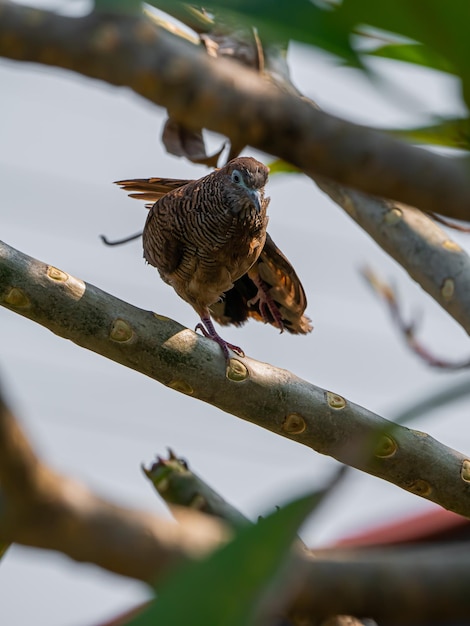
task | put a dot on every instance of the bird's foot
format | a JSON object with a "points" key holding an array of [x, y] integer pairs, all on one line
{"points": [[266, 304], [208, 330]]}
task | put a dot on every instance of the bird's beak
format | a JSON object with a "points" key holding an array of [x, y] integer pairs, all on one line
{"points": [[255, 196]]}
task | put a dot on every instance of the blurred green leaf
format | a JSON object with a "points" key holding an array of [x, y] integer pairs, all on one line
{"points": [[3, 548], [282, 167], [301, 20], [442, 27], [413, 53], [437, 30], [227, 587], [187, 14], [451, 133]]}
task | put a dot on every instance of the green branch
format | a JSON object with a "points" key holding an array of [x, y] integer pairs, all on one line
{"points": [[177, 484]]}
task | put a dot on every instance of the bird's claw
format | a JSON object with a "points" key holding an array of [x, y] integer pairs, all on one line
{"points": [[267, 306], [208, 330]]}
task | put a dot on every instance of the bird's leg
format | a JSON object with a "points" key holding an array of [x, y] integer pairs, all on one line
{"points": [[208, 330], [265, 302]]}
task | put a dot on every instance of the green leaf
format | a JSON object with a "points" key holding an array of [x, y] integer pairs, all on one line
{"points": [[442, 27], [301, 20], [413, 53], [282, 167], [227, 588], [451, 133], [433, 22], [3, 548]]}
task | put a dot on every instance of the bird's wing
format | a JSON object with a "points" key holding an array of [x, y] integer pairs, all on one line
{"points": [[283, 285], [151, 189], [163, 248]]}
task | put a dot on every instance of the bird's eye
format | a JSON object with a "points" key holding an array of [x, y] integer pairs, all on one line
{"points": [[236, 177]]}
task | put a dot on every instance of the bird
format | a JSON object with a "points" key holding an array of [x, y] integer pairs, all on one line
{"points": [[208, 239]]}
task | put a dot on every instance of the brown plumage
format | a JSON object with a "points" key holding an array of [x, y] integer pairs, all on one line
{"points": [[208, 240]]}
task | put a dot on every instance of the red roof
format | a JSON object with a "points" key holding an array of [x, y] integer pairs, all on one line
{"points": [[434, 525]]}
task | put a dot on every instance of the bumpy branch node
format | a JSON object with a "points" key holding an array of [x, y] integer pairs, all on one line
{"points": [[257, 392], [202, 92], [41, 508]]}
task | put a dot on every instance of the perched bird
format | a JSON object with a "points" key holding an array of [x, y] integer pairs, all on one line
{"points": [[208, 240]]}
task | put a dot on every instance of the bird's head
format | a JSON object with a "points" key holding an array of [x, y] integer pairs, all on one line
{"points": [[245, 179]]}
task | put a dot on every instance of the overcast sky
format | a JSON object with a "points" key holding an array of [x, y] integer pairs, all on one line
{"points": [[63, 140]]}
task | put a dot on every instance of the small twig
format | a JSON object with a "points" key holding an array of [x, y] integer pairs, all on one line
{"points": [[196, 19], [449, 223], [259, 52], [177, 484], [408, 329], [118, 242]]}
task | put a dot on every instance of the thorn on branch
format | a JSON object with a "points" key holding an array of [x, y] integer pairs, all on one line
{"points": [[408, 329]]}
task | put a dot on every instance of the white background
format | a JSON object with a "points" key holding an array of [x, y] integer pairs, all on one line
{"points": [[63, 140]]}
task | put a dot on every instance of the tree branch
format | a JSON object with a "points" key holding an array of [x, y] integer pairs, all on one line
{"points": [[414, 240], [177, 484], [408, 235], [202, 92], [439, 265], [43, 509], [393, 586], [257, 392]]}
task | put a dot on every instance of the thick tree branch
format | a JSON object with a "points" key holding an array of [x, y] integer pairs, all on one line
{"points": [[414, 240], [202, 92], [439, 265], [393, 586], [408, 235], [43, 509], [272, 398]]}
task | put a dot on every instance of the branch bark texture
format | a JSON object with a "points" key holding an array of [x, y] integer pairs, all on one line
{"points": [[393, 586], [257, 392], [125, 50], [434, 260], [203, 92], [44, 509]]}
